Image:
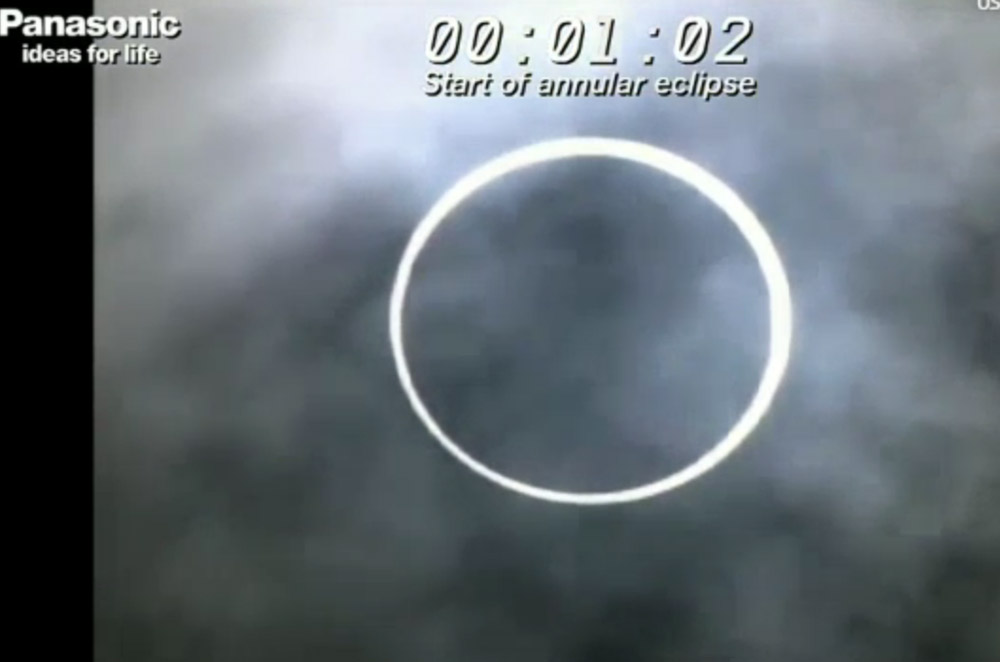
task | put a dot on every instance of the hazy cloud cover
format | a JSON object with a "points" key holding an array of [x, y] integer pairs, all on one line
{"points": [[263, 491]]}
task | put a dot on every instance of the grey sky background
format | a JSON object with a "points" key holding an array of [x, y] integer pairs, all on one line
{"points": [[263, 491]]}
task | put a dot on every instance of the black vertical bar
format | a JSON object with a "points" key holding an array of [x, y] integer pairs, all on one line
{"points": [[47, 190]]}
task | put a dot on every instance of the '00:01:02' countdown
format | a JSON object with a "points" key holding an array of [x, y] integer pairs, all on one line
{"points": [[692, 41]]}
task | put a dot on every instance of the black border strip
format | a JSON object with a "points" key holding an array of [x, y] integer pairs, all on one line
{"points": [[47, 115]]}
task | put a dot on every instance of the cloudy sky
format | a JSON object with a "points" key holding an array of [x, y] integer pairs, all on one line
{"points": [[263, 491]]}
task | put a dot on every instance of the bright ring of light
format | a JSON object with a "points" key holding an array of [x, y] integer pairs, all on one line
{"points": [[779, 303]]}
